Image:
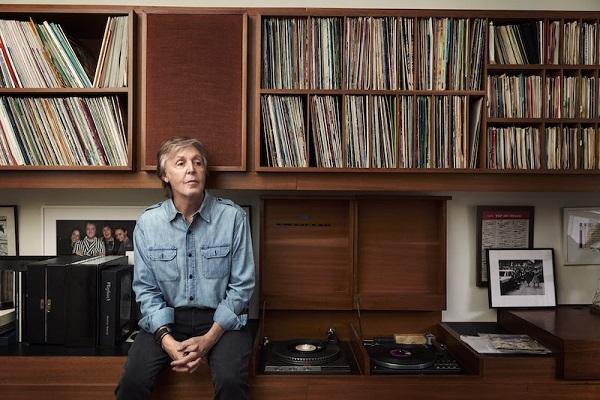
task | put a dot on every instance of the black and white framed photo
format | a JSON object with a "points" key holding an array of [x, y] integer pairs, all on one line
{"points": [[521, 278], [9, 239], [581, 236]]}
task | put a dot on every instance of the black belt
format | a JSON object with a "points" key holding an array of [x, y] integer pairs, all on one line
{"points": [[184, 309]]}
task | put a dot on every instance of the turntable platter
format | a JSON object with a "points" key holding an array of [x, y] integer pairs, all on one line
{"points": [[306, 351], [398, 356]]}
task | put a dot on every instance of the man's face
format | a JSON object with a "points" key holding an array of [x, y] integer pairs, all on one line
{"points": [[90, 230], [107, 232], [186, 172]]}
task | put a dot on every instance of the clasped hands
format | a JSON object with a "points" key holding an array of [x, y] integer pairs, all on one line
{"points": [[187, 355]]}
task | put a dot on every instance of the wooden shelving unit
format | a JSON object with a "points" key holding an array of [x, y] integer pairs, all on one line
{"points": [[86, 26], [409, 133], [161, 100]]}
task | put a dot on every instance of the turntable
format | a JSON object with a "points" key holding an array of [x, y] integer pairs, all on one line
{"points": [[306, 356], [388, 357]]}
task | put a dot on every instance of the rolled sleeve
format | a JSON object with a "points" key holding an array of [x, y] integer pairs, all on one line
{"points": [[153, 306]]}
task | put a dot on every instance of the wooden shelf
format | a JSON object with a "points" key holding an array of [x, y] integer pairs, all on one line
{"points": [[419, 181]]}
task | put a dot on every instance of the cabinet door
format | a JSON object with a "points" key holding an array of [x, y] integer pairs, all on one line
{"points": [[56, 307], [306, 254], [401, 253], [36, 304], [193, 83]]}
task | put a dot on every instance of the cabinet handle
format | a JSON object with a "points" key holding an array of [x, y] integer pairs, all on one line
{"points": [[42, 305], [49, 305]]}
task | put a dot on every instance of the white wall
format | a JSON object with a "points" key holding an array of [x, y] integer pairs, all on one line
{"points": [[466, 302]]}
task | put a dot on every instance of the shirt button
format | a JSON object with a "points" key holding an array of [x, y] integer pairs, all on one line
{"points": [[191, 276], [191, 298], [189, 254]]}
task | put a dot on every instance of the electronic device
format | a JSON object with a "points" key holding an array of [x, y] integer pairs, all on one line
{"points": [[117, 305], [388, 357], [62, 305], [307, 356]]}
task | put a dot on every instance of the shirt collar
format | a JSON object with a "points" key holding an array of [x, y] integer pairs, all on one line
{"points": [[204, 211]]}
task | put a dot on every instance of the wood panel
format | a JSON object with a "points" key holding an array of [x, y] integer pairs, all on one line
{"points": [[401, 253], [63, 370], [572, 331], [306, 253], [193, 78], [287, 324]]}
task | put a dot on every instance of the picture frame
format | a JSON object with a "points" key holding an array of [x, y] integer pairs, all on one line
{"points": [[9, 231], [595, 306], [53, 217], [581, 236], [501, 227], [521, 278]]}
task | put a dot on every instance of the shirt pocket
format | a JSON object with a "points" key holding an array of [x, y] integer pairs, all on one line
{"points": [[215, 261], [164, 264]]}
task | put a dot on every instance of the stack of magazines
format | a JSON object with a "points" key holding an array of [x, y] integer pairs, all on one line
{"points": [[487, 343]]}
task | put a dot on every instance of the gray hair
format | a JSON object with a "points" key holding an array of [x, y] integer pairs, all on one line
{"points": [[172, 145]]}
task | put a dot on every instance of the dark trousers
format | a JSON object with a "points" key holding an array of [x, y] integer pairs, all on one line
{"points": [[228, 359]]}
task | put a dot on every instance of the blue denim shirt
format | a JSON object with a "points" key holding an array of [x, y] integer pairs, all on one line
{"points": [[208, 263]]}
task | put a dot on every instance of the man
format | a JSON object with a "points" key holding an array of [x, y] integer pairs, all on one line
{"points": [[110, 245], [90, 245], [193, 279]]}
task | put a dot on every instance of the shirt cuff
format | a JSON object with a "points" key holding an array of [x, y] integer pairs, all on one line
{"points": [[152, 322], [228, 320]]}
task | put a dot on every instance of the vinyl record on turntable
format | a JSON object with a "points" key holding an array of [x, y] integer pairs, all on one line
{"points": [[399, 356], [306, 351]]}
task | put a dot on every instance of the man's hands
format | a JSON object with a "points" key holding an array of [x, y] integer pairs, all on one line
{"points": [[189, 354]]}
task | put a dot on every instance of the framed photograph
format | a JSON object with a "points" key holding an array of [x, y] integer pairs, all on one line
{"points": [[9, 239], [61, 223], [521, 278], [501, 227], [581, 236]]}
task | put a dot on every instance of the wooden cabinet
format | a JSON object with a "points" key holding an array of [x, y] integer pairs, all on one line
{"points": [[53, 115], [323, 259], [573, 332]]}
